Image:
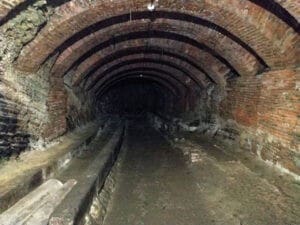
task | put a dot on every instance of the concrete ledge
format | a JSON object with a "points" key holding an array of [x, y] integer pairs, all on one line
{"points": [[102, 199], [73, 208], [37, 206], [41, 216], [18, 177]]}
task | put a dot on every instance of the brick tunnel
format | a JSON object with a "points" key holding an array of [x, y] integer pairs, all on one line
{"points": [[154, 112]]}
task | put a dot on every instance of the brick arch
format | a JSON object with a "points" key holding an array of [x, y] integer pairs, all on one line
{"points": [[180, 80], [146, 65], [239, 18], [230, 60], [211, 65], [221, 47], [129, 52], [188, 69], [160, 34], [288, 10], [143, 67], [158, 62], [185, 20], [91, 40]]}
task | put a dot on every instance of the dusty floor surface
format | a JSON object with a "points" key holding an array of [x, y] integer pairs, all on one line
{"points": [[158, 185]]}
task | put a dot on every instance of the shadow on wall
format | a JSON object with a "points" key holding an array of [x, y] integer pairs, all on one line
{"points": [[12, 140]]}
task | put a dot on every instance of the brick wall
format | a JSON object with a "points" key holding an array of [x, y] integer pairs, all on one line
{"points": [[57, 109], [268, 108]]}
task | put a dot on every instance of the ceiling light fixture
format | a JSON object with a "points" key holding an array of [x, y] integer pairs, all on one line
{"points": [[152, 5]]}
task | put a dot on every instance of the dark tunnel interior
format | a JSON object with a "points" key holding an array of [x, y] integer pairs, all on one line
{"points": [[177, 112], [135, 97]]}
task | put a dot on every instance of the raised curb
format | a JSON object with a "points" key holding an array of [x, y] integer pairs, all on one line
{"points": [[73, 208]]}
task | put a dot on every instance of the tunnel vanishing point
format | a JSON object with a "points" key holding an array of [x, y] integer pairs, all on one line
{"points": [[149, 112]]}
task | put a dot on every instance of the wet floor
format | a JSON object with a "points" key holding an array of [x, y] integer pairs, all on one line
{"points": [[158, 185]]}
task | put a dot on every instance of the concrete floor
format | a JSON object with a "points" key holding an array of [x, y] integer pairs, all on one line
{"points": [[158, 185]]}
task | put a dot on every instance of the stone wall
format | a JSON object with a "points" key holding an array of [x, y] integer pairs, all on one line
{"points": [[33, 106], [23, 111]]}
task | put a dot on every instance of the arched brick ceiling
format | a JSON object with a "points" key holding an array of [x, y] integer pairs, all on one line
{"points": [[287, 10], [129, 52], [202, 42], [249, 22], [179, 81], [176, 80], [151, 64], [190, 71], [211, 41], [213, 67], [191, 21], [251, 66], [159, 34]]}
